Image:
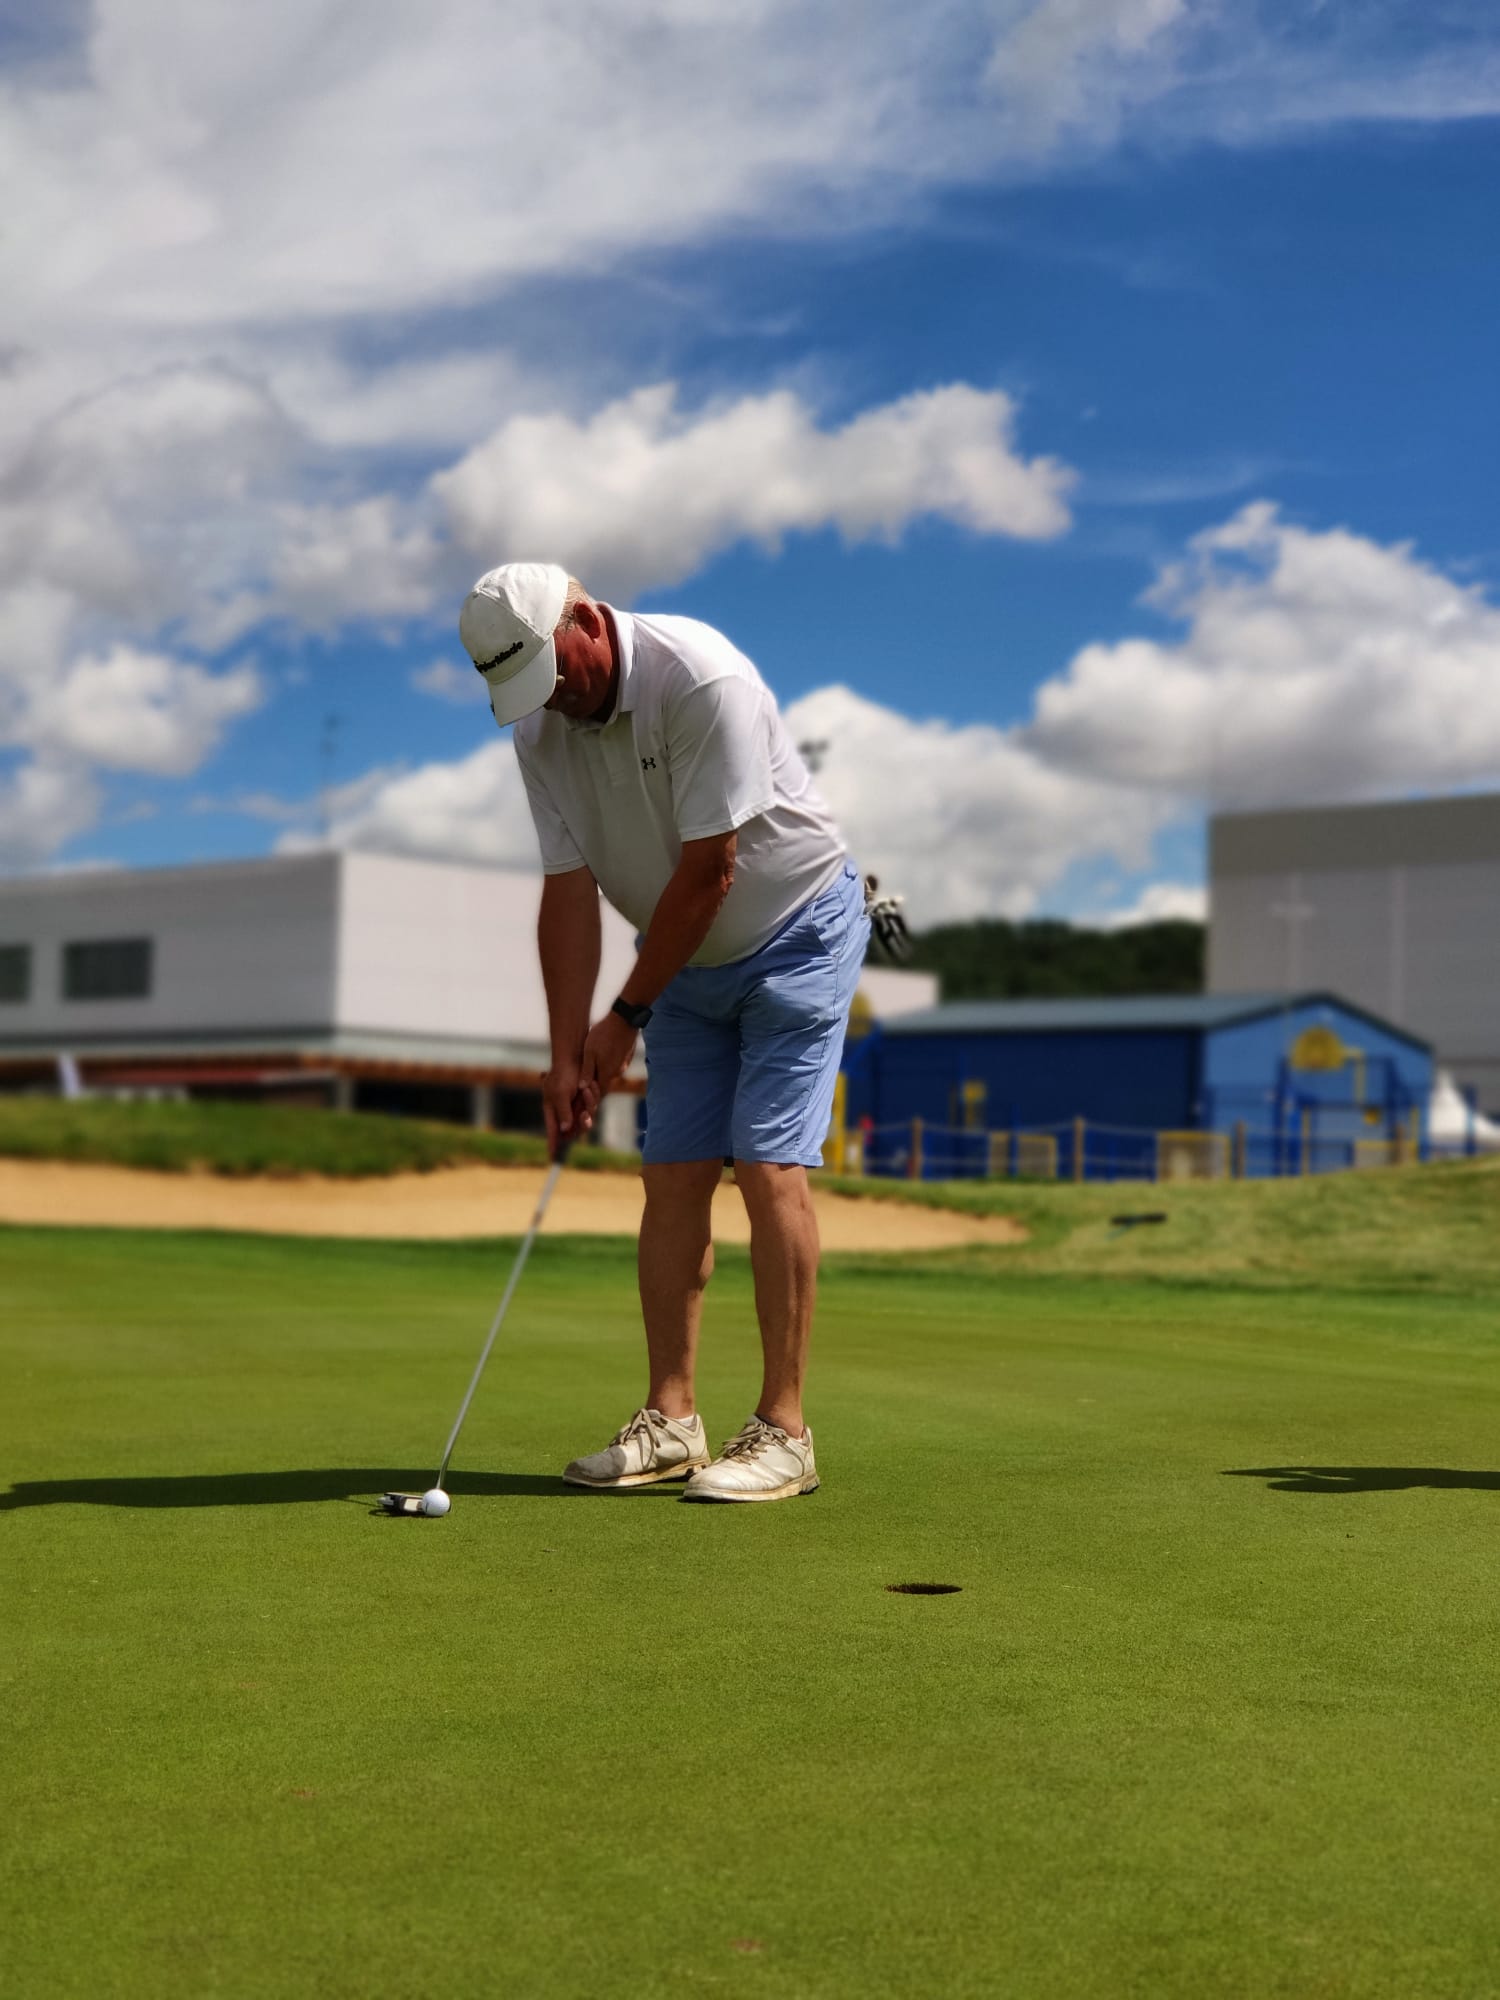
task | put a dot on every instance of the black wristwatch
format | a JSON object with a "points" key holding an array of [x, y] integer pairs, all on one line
{"points": [[636, 1016]]}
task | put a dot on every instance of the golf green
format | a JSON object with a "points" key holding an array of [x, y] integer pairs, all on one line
{"points": [[1213, 1712]]}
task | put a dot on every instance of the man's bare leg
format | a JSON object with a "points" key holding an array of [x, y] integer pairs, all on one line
{"points": [[675, 1261], [784, 1258]]}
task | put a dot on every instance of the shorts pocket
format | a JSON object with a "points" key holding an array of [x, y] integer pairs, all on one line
{"points": [[829, 917]]}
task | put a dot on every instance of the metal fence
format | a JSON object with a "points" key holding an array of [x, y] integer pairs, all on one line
{"points": [[1080, 1149]]}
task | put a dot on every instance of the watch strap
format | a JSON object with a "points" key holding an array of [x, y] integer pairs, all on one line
{"points": [[637, 1017]]}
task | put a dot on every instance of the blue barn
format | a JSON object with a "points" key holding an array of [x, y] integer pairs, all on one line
{"points": [[1293, 1082]]}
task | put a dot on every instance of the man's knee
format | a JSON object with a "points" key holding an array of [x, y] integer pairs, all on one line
{"points": [[770, 1188], [680, 1185]]}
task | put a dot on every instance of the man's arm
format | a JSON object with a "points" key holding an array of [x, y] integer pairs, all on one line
{"points": [[683, 916], [680, 922], [568, 944]]}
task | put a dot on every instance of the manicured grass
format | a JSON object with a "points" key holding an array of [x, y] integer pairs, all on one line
{"points": [[244, 1139], [1215, 1712]]}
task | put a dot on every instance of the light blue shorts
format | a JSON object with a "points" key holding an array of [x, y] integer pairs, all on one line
{"points": [[741, 1059]]}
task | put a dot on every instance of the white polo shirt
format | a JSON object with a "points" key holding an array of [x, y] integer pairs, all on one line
{"points": [[694, 746]]}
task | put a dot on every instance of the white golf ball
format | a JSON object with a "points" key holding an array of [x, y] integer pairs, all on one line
{"points": [[435, 1501]]}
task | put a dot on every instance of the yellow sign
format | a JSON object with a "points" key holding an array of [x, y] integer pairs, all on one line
{"points": [[836, 1145], [861, 1017], [1319, 1049]]}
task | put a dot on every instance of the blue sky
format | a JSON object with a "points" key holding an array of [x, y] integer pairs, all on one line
{"points": [[1084, 419]]}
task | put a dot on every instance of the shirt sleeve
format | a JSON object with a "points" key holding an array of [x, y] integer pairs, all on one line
{"points": [[560, 855], [719, 753]]}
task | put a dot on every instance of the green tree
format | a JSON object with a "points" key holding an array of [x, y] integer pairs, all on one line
{"points": [[992, 959]]}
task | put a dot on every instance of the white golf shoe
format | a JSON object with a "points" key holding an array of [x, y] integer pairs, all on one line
{"points": [[761, 1462], [643, 1452]]}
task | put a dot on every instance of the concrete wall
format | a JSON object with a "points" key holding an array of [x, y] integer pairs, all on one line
{"points": [[890, 990], [301, 944], [316, 944], [247, 946], [432, 949], [1396, 908]]}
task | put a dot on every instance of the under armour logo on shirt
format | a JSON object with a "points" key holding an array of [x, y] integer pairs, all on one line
{"points": [[648, 763]]}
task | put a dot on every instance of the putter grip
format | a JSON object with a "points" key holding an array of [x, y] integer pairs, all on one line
{"points": [[563, 1147]]}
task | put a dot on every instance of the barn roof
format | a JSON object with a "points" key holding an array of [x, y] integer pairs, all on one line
{"points": [[1142, 1013]]}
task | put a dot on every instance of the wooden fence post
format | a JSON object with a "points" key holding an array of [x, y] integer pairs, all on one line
{"points": [[1078, 1131], [914, 1162]]}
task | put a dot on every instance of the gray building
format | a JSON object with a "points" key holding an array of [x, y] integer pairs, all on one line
{"points": [[1393, 907], [368, 981], [363, 980]]}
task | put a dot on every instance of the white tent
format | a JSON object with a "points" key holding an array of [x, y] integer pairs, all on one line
{"points": [[1452, 1126]]}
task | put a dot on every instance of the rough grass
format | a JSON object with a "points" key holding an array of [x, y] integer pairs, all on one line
{"points": [[1216, 1711], [248, 1139], [1429, 1228]]}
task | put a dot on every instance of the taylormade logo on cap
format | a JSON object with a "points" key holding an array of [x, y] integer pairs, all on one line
{"points": [[506, 625]]}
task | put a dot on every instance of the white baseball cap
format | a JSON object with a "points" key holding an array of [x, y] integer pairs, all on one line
{"points": [[507, 624]]}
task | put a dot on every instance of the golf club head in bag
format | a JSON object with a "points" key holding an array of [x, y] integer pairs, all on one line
{"points": [[434, 1502], [887, 921]]}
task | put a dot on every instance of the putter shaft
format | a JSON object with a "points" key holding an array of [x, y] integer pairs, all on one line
{"points": [[500, 1311]]}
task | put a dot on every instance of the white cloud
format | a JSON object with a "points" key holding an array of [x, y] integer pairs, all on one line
{"points": [[424, 402], [204, 168], [643, 493], [241, 241], [958, 820], [210, 167], [1314, 665], [1076, 65], [961, 819], [446, 680], [1157, 903], [132, 711], [473, 809], [360, 562], [137, 500], [119, 517], [41, 806], [160, 505]]}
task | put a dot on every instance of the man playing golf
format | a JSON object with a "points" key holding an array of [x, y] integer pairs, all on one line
{"points": [[659, 772]]}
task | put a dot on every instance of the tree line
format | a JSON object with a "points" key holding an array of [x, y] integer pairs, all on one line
{"points": [[994, 959]]}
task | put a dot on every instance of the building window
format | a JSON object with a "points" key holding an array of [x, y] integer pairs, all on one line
{"points": [[107, 969], [15, 973]]}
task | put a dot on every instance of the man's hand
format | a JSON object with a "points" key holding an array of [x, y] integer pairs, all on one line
{"points": [[610, 1044], [569, 1102]]}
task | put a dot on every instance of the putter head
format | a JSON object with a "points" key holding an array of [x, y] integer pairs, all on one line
{"points": [[401, 1503]]}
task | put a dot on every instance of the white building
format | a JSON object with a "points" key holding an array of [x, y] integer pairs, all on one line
{"points": [[1394, 907], [364, 980]]}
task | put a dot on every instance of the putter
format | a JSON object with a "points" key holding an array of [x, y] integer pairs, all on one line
{"points": [[417, 1503]]}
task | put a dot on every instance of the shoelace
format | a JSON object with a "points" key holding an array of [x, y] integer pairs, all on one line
{"points": [[640, 1426], [752, 1439]]}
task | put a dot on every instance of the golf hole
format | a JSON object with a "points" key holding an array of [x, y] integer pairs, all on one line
{"points": [[925, 1589]]}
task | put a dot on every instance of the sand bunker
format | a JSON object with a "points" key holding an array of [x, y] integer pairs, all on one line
{"points": [[455, 1201]]}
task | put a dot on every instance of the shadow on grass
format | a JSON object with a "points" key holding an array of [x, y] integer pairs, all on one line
{"points": [[1363, 1478], [277, 1489]]}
